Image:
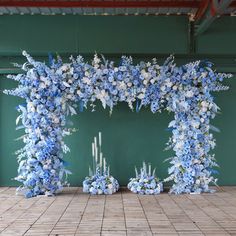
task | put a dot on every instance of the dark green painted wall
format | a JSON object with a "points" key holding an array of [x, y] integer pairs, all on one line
{"points": [[128, 137]]}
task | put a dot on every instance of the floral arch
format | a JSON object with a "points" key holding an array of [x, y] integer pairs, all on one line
{"points": [[54, 92]]}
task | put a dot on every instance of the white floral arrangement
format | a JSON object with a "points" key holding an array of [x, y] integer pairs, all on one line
{"points": [[145, 182], [99, 180]]}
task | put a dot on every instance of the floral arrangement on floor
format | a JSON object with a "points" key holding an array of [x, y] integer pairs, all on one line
{"points": [[99, 180], [55, 91], [146, 181]]}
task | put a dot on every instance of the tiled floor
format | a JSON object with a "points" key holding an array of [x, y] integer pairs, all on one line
{"points": [[75, 213]]}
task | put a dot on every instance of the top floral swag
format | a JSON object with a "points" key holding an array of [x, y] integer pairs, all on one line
{"points": [[53, 92]]}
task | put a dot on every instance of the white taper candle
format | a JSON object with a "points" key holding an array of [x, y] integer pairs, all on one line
{"points": [[104, 165], [95, 141], [96, 154], [100, 138], [93, 153], [101, 161]]}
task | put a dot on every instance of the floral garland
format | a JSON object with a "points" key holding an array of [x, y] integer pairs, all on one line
{"points": [[99, 180], [53, 92], [146, 182]]}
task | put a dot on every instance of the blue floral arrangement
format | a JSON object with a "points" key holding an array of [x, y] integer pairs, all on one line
{"points": [[55, 91], [99, 180], [145, 182]]}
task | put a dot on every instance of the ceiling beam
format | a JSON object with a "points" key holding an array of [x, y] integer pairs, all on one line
{"points": [[215, 9], [101, 4], [201, 10]]}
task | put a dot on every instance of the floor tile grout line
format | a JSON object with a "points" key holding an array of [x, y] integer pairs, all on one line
{"points": [[103, 215], [64, 210], [218, 206], [217, 194], [123, 207], [40, 214], [205, 213], [187, 214], [82, 213], [21, 213], [155, 196], [144, 213], [212, 213], [208, 214], [234, 218], [17, 202], [228, 192]]}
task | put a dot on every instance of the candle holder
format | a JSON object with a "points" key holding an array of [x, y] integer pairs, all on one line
{"points": [[146, 181], [99, 180]]}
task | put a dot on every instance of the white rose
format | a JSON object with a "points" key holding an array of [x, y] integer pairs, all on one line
{"points": [[145, 82], [204, 104]]}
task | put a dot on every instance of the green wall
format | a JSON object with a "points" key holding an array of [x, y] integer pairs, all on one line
{"points": [[128, 137]]}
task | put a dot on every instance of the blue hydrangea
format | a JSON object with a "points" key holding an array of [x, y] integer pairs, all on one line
{"points": [[53, 92]]}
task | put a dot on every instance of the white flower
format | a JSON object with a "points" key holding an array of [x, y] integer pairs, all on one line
{"points": [[141, 96], [189, 94], [179, 145], [163, 88], [184, 105], [169, 84], [195, 124], [204, 104], [145, 82], [99, 191], [144, 74], [86, 80], [122, 85], [56, 120], [42, 85], [198, 181], [31, 107], [152, 81], [65, 67]]}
